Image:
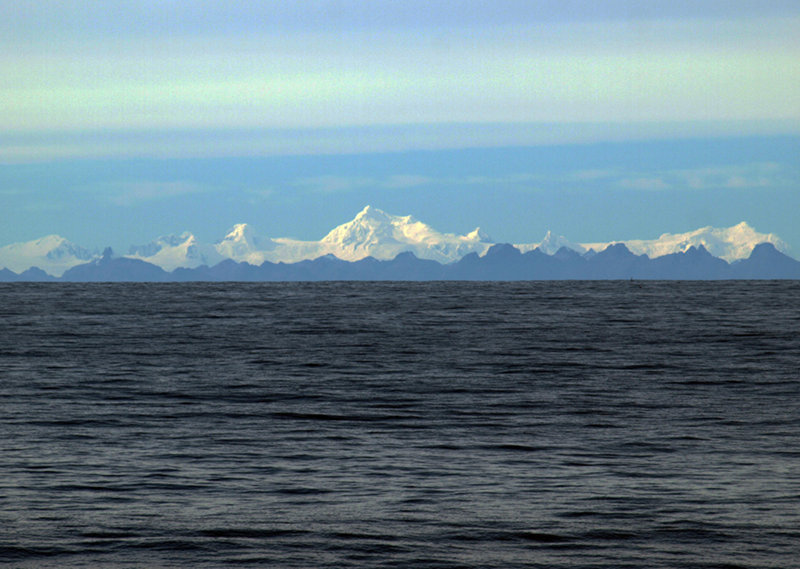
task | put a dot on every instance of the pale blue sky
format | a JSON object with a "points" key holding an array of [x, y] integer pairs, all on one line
{"points": [[123, 120]]}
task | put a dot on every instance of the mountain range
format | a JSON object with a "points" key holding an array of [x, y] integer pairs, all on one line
{"points": [[376, 245]]}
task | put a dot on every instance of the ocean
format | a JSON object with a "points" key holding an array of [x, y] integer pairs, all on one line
{"points": [[336, 425]]}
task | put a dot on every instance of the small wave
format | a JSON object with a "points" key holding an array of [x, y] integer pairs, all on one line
{"points": [[250, 533], [20, 553]]}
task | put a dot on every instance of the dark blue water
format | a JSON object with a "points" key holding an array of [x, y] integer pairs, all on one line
{"points": [[400, 425]]}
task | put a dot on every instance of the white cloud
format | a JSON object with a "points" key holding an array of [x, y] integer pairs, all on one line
{"points": [[757, 175], [405, 181], [569, 71], [334, 184], [754, 175], [132, 193], [644, 183], [735, 176], [592, 175], [260, 194]]}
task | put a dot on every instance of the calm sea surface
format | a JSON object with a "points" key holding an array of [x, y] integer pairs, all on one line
{"points": [[607, 424]]}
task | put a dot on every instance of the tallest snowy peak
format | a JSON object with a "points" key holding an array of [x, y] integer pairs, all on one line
{"points": [[375, 233], [368, 227], [373, 215], [371, 212]]}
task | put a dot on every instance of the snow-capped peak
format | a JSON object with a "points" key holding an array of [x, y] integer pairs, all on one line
{"points": [[372, 232], [53, 254], [369, 226], [241, 237], [370, 212], [165, 241], [552, 243], [241, 232], [375, 233], [42, 246], [243, 244], [172, 251], [731, 243], [479, 234], [52, 247]]}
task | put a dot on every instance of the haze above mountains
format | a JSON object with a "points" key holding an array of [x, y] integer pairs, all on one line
{"points": [[375, 236]]}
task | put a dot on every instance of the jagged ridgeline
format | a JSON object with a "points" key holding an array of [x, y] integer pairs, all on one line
{"points": [[376, 245]]}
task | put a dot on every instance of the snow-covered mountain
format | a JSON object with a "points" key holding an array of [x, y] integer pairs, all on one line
{"points": [[552, 243], [53, 254], [172, 251], [372, 233], [375, 233], [729, 243], [242, 244]]}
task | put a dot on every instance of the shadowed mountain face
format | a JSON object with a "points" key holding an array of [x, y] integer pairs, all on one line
{"points": [[501, 262], [382, 236], [109, 269], [766, 262]]}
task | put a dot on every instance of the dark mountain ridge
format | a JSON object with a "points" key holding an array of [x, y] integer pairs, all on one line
{"points": [[501, 262]]}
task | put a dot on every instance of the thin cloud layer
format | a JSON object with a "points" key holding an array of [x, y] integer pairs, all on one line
{"points": [[128, 71]]}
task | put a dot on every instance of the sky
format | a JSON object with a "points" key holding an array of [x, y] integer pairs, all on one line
{"points": [[124, 120]]}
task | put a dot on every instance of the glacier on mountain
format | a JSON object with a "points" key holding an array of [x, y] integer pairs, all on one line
{"points": [[551, 244], [172, 251], [372, 233], [53, 254], [375, 233], [730, 244], [242, 244]]}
